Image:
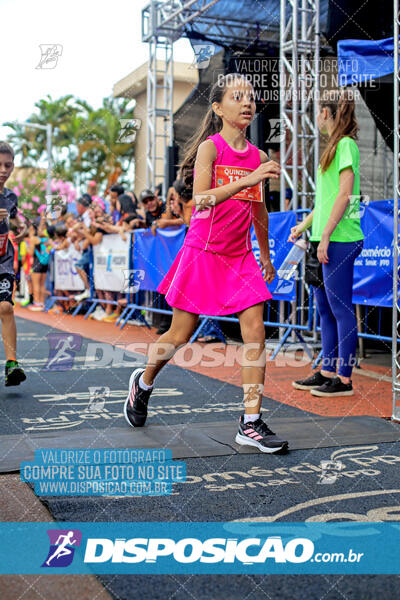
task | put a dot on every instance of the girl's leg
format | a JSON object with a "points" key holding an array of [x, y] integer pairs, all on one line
{"points": [[252, 429], [329, 334], [83, 276], [182, 327], [338, 280], [36, 287], [109, 307], [29, 282], [42, 287], [8, 330], [14, 374], [253, 357], [101, 295], [118, 308]]}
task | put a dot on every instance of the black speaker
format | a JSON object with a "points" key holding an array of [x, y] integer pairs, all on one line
{"points": [[257, 131], [352, 19], [172, 165]]}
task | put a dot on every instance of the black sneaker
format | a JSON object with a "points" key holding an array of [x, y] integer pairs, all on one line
{"points": [[135, 407], [335, 387], [311, 382], [258, 434], [14, 373]]}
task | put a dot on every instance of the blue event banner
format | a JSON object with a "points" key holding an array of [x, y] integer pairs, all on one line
{"points": [[280, 224], [373, 278], [154, 254], [200, 548], [373, 269]]}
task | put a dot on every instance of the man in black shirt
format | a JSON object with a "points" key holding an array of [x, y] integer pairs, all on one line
{"points": [[153, 205]]}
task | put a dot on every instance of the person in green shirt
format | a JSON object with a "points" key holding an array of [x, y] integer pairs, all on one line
{"points": [[338, 238]]}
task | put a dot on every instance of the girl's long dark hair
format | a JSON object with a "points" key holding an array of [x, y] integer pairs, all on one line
{"points": [[341, 106], [210, 125]]}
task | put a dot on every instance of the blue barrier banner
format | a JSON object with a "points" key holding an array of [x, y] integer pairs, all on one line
{"points": [[373, 269], [200, 548], [280, 224], [154, 254]]}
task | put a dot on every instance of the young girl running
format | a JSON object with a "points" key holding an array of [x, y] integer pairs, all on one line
{"points": [[215, 272], [337, 233]]}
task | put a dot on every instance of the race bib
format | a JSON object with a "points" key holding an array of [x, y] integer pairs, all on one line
{"points": [[225, 175], [3, 243]]}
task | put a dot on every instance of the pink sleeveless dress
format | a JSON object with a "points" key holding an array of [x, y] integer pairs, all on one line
{"points": [[215, 272]]}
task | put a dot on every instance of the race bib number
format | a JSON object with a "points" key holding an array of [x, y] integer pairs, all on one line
{"points": [[3, 243], [225, 175]]}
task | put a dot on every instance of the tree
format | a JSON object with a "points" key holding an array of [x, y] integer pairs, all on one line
{"points": [[86, 141]]}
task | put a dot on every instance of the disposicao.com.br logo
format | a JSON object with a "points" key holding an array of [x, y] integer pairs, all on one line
{"points": [[219, 547], [192, 550], [62, 547]]}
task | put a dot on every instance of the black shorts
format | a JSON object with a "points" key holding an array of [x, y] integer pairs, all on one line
{"points": [[6, 287], [39, 268]]}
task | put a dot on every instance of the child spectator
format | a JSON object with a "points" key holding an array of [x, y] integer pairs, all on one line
{"points": [[125, 206], [82, 266], [60, 242], [26, 261], [115, 192], [40, 252], [173, 215]]}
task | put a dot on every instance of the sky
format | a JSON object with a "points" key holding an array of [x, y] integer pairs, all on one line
{"points": [[101, 44]]}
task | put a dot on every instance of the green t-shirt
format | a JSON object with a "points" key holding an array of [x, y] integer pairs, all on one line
{"points": [[348, 229]]}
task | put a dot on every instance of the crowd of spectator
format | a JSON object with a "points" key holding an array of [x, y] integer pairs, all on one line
{"points": [[95, 217]]}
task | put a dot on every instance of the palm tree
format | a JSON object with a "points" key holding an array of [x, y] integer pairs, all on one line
{"points": [[86, 142], [101, 146]]}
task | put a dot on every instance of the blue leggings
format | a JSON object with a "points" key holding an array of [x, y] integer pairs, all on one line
{"points": [[335, 307]]}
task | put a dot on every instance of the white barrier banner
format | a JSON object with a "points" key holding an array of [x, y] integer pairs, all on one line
{"points": [[111, 261], [65, 274]]}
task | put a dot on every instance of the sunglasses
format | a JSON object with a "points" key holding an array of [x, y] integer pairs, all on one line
{"points": [[146, 200]]}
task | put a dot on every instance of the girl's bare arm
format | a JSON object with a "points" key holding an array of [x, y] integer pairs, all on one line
{"points": [[204, 196], [261, 220]]}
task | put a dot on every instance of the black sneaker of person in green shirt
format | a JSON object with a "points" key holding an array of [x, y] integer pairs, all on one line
{"points": [[14, 373]]}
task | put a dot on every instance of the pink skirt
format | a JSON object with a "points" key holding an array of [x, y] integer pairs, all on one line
{"points": [[203, 282]]}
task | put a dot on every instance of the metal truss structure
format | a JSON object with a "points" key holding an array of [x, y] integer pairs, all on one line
{"points": [[159, 96], [163, 23], [396, 214], [174, 16], [299, 87]]}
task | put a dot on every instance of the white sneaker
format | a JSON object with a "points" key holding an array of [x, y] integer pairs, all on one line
{"points": [[135, 322], [85, 294], [96, 311], [36, 307], [99, 313]]}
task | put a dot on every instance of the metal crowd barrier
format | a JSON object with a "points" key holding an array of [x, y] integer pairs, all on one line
{"points": [[136, 304], [291, 314]]}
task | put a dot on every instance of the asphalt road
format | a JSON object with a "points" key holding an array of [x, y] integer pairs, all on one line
{"points": [[359, 483]]}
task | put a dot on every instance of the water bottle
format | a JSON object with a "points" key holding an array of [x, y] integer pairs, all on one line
{"points": [[289, 265], [4, 229]]}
